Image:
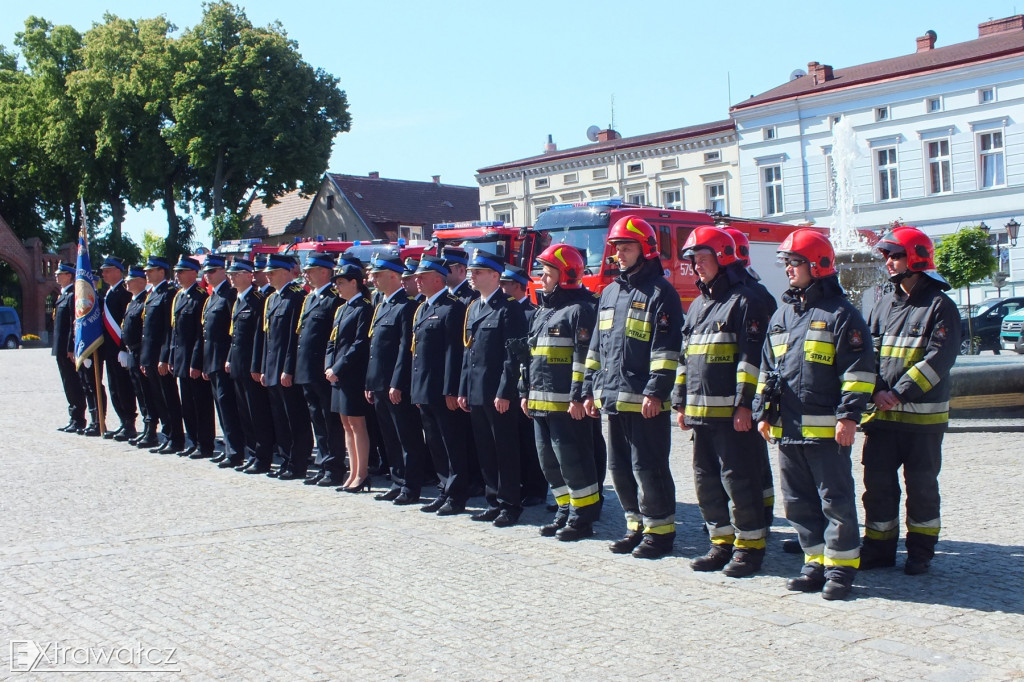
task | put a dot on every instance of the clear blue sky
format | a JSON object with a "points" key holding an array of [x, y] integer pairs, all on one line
{"points": [[448, 87]]}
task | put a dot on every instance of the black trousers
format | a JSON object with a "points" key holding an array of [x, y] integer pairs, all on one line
{"points": [[143, 395], [122, 392], [497, 442], [402, 432], [291, 426], [257, 422], [327, 428], [638, 454], [727, 478], [223, 388], [165, 395], [566, 449], [72, 388], [446, 440], [93, 393], [197, 412]]}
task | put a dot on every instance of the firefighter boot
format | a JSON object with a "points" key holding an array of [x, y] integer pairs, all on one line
{"points": [[627, 543], [654, 546], [575, 530], [920, 550], [745, 561], [717, 557], [811, 579], [548, 530], [838, 582], [877, 553]]}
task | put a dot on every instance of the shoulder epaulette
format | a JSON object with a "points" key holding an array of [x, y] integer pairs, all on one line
{"points": [[258, 293], [511, 299], [296, 288], [366, 300]]}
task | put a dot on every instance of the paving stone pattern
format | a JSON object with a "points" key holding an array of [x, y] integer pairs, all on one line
{"points": [[254, 578]]}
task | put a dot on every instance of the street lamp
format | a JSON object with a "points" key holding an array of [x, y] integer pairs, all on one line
{"points": [[1012, 228]]}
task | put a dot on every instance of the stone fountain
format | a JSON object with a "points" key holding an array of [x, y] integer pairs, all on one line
{"points": [[861, 271]]}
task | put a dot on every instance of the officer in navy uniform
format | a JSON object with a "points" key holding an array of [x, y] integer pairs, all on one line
{"points": [[187, 359], [515, 282], [63, 347], [457, 260], [388, 382], [314, 328], [154, 357], [216, 320], [292, 429], [115, 357], [243, 365], [436, 370], [409, 281], [489, 388], [131, 338]]}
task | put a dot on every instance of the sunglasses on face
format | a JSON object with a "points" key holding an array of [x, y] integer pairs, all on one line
{"points": [[792, 261], [895, 256]]}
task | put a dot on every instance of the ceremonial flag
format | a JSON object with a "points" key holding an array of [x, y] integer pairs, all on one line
{"points": [[88, 316]]}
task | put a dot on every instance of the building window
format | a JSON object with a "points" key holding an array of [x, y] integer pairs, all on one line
{"points": [[409, 232], [330, 202], [503, 216], [672, 198], [771, 190], [881, 113], [639, 198], [940, 179], [986, 95], [541, 183], [665, 241], [501, 190], [599, 174], [990, 159], [634, 169], [769, 132], [888, 174], [669, 164], [571, 178], [934, 105], [715, 194], [712, 157], [603, 193]]}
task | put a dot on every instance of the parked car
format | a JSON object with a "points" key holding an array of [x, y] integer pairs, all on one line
{"points": [[986, 323], [1010, 334], [10, 327]]}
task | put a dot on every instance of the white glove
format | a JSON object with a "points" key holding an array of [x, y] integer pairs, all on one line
{"points": [[122, 359], [87, 363]]}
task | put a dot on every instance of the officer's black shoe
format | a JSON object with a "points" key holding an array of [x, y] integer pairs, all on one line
{"points": [[274, 473], [654, 546], [549, 530], [147, 443], [792, 546], [811, 579], [717, 557], [506, 518], [434, 506], [627, 543], [388, 495], [127, 434], [202, 454], [258, 469], [838, 582], [450, 508], [330, 481], [405, 499], [744, 562], [575, 530], [877, 553], [486, 515], [249, 463], [288, 475], [109, 435], [189, 451], [71, 426], [315, 478], [219, 458], [916, 566], [93, 430]]}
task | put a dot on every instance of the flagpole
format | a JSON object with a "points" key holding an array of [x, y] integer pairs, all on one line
{"points": [[99, 391]]}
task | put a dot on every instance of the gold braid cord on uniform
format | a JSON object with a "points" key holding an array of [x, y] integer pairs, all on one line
{"points": [[305, 309], [174, 308], [415, 321], [373, 320], [266, 308]]}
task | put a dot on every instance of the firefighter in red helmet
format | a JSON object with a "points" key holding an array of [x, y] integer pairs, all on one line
{"points": [[630, 370], [915, 330], [817, 376]]}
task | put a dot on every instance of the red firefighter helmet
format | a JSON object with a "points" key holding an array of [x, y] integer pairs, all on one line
{"points": [[714, 239], [633, 229], [569, 263], [813, 246], [742, 245], [913, 242]]}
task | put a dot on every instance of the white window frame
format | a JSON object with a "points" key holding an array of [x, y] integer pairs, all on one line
{"points": [[928, 105], [770, 133], [982, 155], [501, 190], [599, 174], [504, 215], [570, 178], [944, 163], [410, 232], [601, 193], [571, 197], [665, 198], [714, 156], [721, 196], [636, 196], [670, 164], [541, 183], [635, 168], [883, 114], [891, 169], [772, 189], [986, 95]]}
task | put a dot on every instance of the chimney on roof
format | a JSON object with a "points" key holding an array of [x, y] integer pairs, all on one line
{"points": [[927, 41], [607, 134], [437, 179], [1014, 23], [820, 73], [550, 146], [374, 175]]}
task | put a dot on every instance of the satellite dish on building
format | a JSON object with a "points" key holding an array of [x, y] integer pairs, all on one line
{"points": [[797, 73], [592, 132]]}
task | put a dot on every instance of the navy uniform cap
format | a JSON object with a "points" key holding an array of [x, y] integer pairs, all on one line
{"points": [[410, 267], [348, 271], [64, 266], [514, 273], [485, 260], [240, 265], [135, 272], [319, 260], [214, 261], [259, 262], [279, 261], [433, 264], [157, 262], [453, 254], [112, 262], [186, 263], [384, 263]]}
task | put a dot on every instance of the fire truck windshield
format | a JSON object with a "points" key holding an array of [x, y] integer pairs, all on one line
{"points": [[584, 227]]}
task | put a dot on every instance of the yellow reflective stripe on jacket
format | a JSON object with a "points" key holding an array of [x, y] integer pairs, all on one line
{"points": [[701, 405], [823, 352], [924, 376], [917, 413], [638, 326], [818, 426], [554, 355], [593, 360], [606, 319], [547, 401], [779, 343], [664, 359], [858, 382], [746, 373]]}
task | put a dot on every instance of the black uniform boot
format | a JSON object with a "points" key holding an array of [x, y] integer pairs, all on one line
{"points": [[745, 561], [127, 432], [877, 553], [716, 558], [549, 530], [93, 429], [654, 546], [838, 582], [811, 579], [575, 530], [627, 543]]}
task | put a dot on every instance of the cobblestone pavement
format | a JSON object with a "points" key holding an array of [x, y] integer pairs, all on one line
{"points": [[251, 578]]}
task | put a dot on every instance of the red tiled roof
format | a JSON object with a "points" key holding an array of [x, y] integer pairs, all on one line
{"points": [[285, 217], [988, 47], [621, 143], [382, 200]]}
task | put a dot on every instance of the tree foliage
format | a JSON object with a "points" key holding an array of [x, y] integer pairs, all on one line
{"points": [[965, 257]]}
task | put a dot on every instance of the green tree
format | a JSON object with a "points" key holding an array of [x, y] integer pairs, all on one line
{"points": [[248, 113], [152, 244], [963, 258]]}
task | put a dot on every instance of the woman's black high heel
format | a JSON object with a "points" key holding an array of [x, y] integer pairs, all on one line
{"points": [[358, 487]]}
